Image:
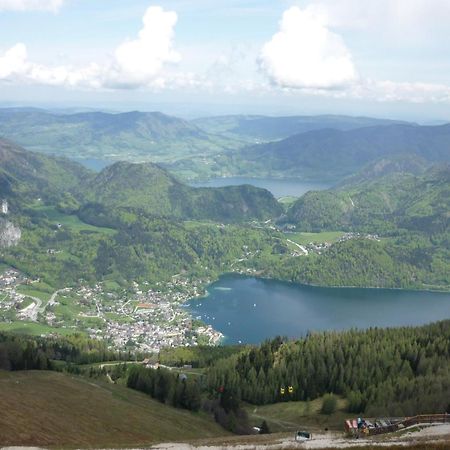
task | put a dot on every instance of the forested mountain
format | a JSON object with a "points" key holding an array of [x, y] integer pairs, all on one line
{"points": [[392, 199], [142, 186], [124, 223], [26, 173], [334, 154], [150, 188], [192, 149], [133, 135], [264, 128], [406, 216]]}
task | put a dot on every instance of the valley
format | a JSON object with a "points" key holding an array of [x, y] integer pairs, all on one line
{"points": [[224, 225], [130, 279], [118, 253]]}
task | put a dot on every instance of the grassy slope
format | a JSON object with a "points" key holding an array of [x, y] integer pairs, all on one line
{"points": [[291, 416], [322, 237], [33, 328], [52, 409]]}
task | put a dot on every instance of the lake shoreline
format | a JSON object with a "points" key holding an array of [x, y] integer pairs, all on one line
{"points": [[255, 301]]}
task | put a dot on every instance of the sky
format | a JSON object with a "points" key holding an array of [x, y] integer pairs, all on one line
{"points": [[384, 58]]}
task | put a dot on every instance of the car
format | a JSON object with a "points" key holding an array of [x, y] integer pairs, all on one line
{"points": [[302, 436]]}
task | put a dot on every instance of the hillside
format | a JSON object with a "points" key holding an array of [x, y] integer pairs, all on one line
{"points": [[152, 189], [133, 135], [334, 154], [127, 222], [264, 128], [395, 371], [52, 409], [391, 199], [406, 217], [23, 172]]}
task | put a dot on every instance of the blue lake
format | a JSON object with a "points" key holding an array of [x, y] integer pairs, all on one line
{"points": [[279, 188], [251, 310]]}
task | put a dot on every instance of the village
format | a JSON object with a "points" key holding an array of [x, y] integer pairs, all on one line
{"points": [[138, 318]]}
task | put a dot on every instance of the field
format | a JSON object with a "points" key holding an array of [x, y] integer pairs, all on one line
{"points": [[35, 329], [287, 201], [69, 221], [35, 291], [306, 238], [56, 410], [291, 416]]}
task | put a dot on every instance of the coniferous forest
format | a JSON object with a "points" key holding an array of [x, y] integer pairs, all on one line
{"points": [[397, 372]]}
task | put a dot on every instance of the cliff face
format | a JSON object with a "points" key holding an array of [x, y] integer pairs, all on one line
{"points": [[9, 234]]}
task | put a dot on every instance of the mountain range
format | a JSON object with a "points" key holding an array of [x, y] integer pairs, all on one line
{"points": [[265, 128], [134, 136], [312, 147], [144, 186], [334, 154]]}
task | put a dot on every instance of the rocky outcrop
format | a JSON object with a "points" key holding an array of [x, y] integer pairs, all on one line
{"points": [[9, 234]]}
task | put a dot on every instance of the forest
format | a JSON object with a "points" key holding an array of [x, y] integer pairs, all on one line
{"points": [[397, 372]]}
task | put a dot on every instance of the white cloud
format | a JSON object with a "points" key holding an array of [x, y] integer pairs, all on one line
{"points": [[139, 61], [13, 62], [31, 5], [305, 56], [136, 63], [304, 53]]}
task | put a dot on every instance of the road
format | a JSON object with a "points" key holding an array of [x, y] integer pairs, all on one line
{"points": [[303, 249], [51, 300], [31, 311]]}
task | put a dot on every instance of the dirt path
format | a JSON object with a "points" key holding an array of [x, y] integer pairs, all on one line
{"points": [[331, 440]]}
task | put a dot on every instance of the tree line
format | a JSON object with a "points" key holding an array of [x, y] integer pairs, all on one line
{"points": [[400, 371], [19, 352]]}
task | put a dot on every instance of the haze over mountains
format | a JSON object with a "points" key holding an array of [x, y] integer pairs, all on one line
{"points": [[305, 147], [265, 128], [334, 154], [133, 135]]}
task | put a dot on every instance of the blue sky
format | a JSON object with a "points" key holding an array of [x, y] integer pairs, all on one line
{"points": [[387, 58]]}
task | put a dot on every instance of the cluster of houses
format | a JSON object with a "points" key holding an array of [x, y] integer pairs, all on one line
{"points": [[142, 318]]}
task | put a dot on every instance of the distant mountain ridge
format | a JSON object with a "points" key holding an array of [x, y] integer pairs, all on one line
{"points": [[201, 148], [334, 154], [135, 135], [266, 128]]}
